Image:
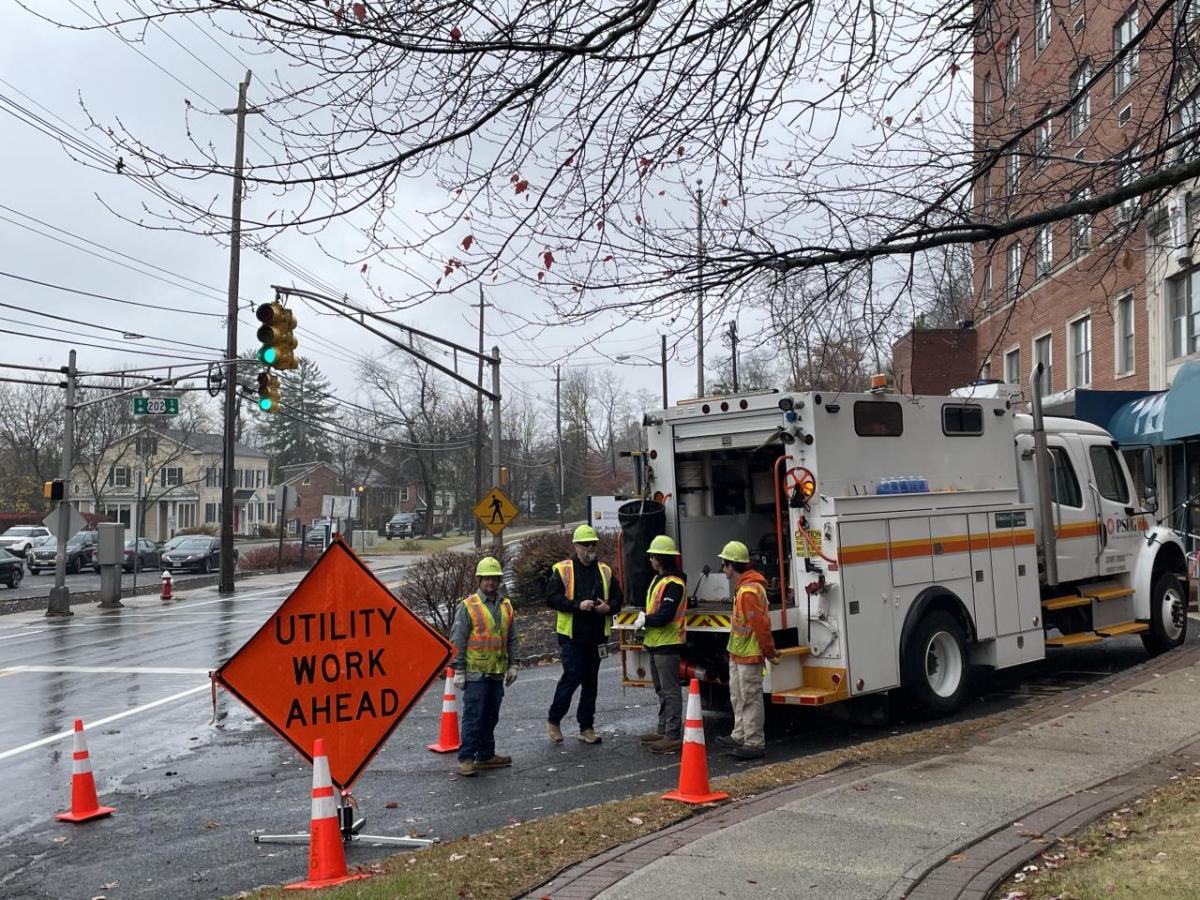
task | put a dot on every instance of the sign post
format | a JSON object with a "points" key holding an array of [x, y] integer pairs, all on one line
{"points": [[341, 659], [495, 511]]}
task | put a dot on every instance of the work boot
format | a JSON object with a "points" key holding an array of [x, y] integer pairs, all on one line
{"points": [[589, 736], [745, 752], [651, 737], [495, 762], [555, 733], [468, 768], [726, 742], [666, 745]]}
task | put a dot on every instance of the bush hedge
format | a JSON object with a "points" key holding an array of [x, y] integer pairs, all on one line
{"points": [[264, 559], [436, 584]]}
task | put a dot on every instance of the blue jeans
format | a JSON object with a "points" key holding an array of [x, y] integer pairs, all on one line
{"points": [[581, 669], [481, 712]]}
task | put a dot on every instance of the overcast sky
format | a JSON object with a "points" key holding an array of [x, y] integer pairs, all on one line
{"points": [[49, 70]]}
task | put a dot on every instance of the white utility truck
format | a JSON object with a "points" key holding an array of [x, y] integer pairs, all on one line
{"points": [[905, 539]]}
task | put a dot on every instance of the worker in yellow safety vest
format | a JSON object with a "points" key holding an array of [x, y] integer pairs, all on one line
{"points": [[750, 643], [664, 621], [485, 664], [584, 594]]}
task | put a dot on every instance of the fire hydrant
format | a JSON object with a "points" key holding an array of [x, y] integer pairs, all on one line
{"points": [[166, 586]]}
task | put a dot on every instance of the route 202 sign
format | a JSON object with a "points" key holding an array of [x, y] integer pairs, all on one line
{"points": [[156, 406], [341, 659]]}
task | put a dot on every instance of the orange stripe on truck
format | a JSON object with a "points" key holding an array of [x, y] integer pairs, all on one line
{"points": [[943, 546]]}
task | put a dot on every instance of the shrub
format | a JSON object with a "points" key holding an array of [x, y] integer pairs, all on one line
{"points": [[210, 530], [436, 584], [268, 531], [8, 520], [537, 553], [264, 559]]}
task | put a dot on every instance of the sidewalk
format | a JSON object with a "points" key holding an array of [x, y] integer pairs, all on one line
{"points": [[933, 827]]}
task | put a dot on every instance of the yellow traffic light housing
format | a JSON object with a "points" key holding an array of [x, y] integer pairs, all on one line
{"points": [[276, 334], [54, 490], [268, 392]]}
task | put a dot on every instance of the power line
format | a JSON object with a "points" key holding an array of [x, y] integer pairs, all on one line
{"points": [[120, 331], [131, 351], [60, 287]]}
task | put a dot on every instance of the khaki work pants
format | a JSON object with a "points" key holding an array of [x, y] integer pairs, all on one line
{"points": [[746, 694]]}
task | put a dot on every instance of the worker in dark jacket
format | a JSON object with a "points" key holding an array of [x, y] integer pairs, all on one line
{"points": [[664, 621], [586, 596]]}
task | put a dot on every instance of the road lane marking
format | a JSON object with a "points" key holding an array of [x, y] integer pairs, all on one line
{"points": [[63, 735], [105, 670]]}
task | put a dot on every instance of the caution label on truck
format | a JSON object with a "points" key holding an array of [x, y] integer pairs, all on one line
{"points": [[808, 542]]}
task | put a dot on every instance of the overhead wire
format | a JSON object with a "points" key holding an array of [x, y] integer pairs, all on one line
{"points": [[122, 331]]}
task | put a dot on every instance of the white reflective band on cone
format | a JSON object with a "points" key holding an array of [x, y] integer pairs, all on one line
{"points": [[693, 735], [323, 804], [449, 704]]}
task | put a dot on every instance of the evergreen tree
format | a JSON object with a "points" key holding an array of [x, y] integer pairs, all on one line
{"points": [[545, 500], [300, 432]]}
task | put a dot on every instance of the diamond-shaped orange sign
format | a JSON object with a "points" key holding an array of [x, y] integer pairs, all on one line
{"points": [[341, 659]]}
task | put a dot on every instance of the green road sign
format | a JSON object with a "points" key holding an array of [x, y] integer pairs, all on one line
{"points": [[156, 406]]}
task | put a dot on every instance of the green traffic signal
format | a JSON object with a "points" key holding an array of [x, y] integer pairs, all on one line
{"points": [[265, 404]]}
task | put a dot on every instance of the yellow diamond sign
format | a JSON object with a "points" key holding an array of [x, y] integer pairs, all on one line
{"points": [[495, 510]]}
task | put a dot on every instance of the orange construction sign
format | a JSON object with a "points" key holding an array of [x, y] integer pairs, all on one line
{"points": [[342, 659]]}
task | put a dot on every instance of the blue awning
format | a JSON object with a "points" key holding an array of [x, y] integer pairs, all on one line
{"points": [[1166, 417]]}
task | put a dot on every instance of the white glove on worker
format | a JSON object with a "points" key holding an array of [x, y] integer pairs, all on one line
{"points": [[640, 622], [510, 676], [460, 680]]}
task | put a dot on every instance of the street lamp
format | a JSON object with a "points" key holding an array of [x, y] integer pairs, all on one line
{"points": [[663, 364]]}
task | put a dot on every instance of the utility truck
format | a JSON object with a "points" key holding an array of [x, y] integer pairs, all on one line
{"points": [[904, 539]]}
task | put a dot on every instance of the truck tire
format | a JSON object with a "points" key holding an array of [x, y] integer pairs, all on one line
{"points": [[1168, 615], [936, 669]]}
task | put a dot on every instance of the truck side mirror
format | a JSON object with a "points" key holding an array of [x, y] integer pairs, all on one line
{"points": [[1150, 479]]}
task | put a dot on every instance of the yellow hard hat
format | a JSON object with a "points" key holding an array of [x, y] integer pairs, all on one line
{"points": [[735, 551], [585, 534], [489, 567], [663, 545]]}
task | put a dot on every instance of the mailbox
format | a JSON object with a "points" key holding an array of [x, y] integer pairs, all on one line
{"points": [[110, 544]]}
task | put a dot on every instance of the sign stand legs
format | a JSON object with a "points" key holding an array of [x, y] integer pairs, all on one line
{"points": [[351, 828]]}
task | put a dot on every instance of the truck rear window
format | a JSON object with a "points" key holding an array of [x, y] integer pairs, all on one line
{"points": [[878, 418], [962, 419]]}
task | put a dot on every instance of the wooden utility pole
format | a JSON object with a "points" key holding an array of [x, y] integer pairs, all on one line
{"points": [[562, 502], [479, 424]]}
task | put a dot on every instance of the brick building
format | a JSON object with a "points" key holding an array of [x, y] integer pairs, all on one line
{"points": [[934, 360]]}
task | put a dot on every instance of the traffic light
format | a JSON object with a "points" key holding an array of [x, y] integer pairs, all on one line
{"points": [[268, 392], [276, 335], [54, 490]]}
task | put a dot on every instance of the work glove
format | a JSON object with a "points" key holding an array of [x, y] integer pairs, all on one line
{"points": [[776, 659], [460, 680], [640, 622], [510, 676]]}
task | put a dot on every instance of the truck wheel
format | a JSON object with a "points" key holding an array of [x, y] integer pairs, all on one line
{"points": [[935, 665], [1168, 615]]}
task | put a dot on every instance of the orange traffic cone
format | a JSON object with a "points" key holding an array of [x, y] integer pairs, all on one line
{"points": [[448, 740], [326, 854], [84, 803], [693, 767]]}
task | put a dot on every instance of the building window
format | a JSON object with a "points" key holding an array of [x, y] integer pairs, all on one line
{"points": [[1126, 68], [1043, 352], [1127, 174], [1045, 250], [1012, 71], [214, 476], [185, 515], [271, 511], [211, 513], [147, 445], [1081, 112], [987, 286], [1124, 323], [1012, 366], [1042, 143], [1081, 228], [170, 477], [988, 88], [1014, 270], [307, 480], [404, 495], [118, 477], [987, 197], [1183, 295], [1012, 173], [1043, 24], [1081, 352]]}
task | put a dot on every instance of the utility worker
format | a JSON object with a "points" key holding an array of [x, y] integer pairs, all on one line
{"points": [[585, 596], [750, 641], [663, 619], [486, 640]]}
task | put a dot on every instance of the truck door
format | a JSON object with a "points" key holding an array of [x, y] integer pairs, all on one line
{"points": [[1075, 519], [1110, 486]]}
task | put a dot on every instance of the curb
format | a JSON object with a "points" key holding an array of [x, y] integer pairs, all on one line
{"points": [[940, 877]]}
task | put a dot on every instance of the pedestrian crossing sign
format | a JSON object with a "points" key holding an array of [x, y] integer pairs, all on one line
{"points": [[495, 511]]}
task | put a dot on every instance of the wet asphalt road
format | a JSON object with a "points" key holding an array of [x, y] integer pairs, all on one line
{"points": [[191, 794]]}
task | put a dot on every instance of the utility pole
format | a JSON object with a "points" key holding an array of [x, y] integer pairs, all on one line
{"points": [[664, 368], [60, 594], [225, 585], [733, 342], [699, 288], [562, 482], [479, 424], [497, 540]]}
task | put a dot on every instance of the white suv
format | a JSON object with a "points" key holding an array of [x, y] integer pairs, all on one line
{"points": [[20, 539]]}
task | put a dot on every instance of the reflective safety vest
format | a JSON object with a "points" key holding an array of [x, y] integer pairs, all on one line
{"points": [[675, 630], [487, 645], [566, 571], [742, 640]]}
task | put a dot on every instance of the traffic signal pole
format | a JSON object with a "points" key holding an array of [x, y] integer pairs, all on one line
{"points": [[225, 584], [60, 595]]}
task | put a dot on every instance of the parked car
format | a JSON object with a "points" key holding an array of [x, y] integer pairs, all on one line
{"points": [[404, 525], [80, 548], [197, 552], [12, 569], [149, 556], [315, 536], [20, 539]]}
